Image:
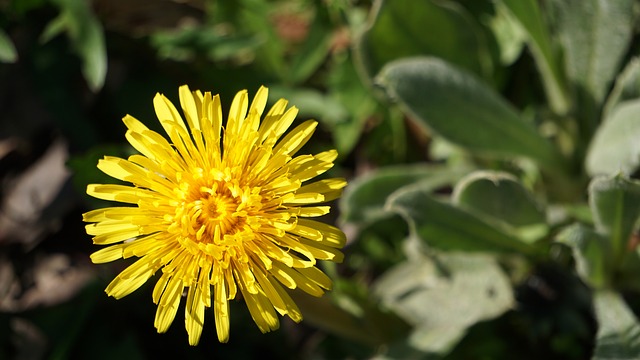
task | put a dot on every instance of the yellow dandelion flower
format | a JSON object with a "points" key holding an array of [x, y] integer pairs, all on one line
{"points": [[219, 209]]}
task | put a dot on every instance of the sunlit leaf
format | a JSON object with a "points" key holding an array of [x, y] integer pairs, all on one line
{"points": [[501, 197], [270, 55], [528, 13], [313, 51], [312, 103], [92, 49], [615, 203], [345, 85], [444, 226], [8, 53], [372, 327], [592, 254], [83, 167], [510, 35], [186, 43], [618, 334], [627, 87], [463, 109], [55, 27], [443, 296], [615, 146], [364, 199], [402, 28], [87, 38], [595, 35]]}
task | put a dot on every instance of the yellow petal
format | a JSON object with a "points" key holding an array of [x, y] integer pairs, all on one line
{"points": [[276, 122], [317, 276], [322, 252], [261, 311], [189, 107], [259, 101], [168, 306], [119, 288], [167, 112], [330, 189], [107, 254], [218, 209], [143, 246], [110, 232], [221, 312], [294, 140], [237, 114], [301, 282], [330, 235], [131, 278], [310, 211], [194, 314], [292, 309], [327, 156]]}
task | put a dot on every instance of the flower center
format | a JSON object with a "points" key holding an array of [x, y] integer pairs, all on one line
{"points": [[218, 212]]}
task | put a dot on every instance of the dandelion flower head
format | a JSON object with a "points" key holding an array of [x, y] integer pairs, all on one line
{"points": [[220, 208]]}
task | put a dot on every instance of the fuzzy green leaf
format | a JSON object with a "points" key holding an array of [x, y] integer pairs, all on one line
{"points": [[627, 87], [444, 226], [618, 334], [595, 35], [402, 28], [615, 146], [530, 17], [87, 38], [615, 203], [8, 53], [501, 197], [592, 254], [364, 199], [442, 297], [464, 110]]}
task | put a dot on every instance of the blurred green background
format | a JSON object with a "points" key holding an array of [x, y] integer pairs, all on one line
{"points": [[491, 148]]}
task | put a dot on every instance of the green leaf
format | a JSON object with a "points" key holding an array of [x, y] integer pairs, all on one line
{"points": [[442, 297], [615, 203], [626, 274], [365, 197], [86, 172], [528, 14], [372, 327], [21, 7], [55, 27], [270, 56], [500, 197], [8, 53], [402, 28], [509, 34], [87, 38], [618, 334], [595, 35], [92, 49], [627, 87], [185, 43], [345, 86], [462, 109], [312, 103], [591, 252], [443, 226], [615, 146], [314, 51]]}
